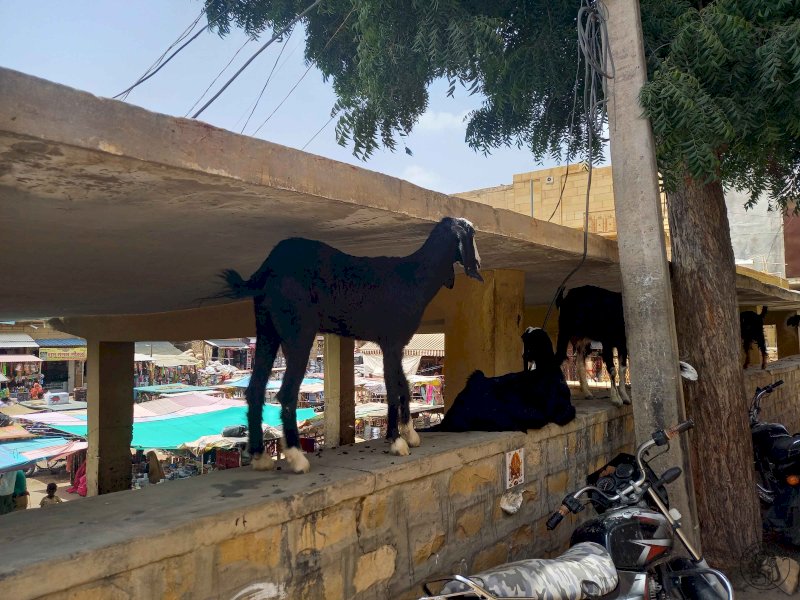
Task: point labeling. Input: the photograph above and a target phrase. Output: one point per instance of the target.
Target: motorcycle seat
(785, 447)
(585, 570)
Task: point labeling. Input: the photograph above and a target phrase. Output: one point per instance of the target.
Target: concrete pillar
(647, 297)
(788, 338)
(110, 416)
(483, 328)
(340, 405)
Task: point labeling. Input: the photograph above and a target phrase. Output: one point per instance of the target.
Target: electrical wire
(598, 69)
(294, 87)
(328, 122)
(274, 37)
(266, 83)
(225, 68)
(157, 62)
(163, 64)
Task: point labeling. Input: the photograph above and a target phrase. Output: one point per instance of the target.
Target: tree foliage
(724, 91)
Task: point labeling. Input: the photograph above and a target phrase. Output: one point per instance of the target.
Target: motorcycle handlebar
(556, 518)
(679, 428)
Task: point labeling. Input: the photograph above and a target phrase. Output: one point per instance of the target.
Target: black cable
(328, 122)
(164, 64)
(294, 87)
(598, 68)
(157, 62)
(266, 83)
(252, 58)
(225, 68)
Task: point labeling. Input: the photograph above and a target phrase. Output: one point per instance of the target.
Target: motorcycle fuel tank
(635, 537)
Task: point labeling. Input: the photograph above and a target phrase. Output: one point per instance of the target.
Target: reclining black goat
(305, 287)
(517, 401)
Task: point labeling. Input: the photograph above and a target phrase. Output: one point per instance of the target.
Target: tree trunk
(706, 315)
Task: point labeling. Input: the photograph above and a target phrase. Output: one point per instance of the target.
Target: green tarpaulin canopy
(168, 434)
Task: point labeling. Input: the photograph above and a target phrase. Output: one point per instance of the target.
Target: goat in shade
(305, 287)
(517, 401)
(587, 314)
(752, 326)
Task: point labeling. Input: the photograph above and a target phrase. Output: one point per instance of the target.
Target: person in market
(51, 498)
(21, 491)
(7, 481)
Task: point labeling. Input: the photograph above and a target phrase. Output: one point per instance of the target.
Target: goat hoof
(399, 447)
(297, 460)
(262, 462)
(410, 435)
(588, 396)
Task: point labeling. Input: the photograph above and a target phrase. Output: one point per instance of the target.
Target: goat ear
(468, 251)
(451, 280)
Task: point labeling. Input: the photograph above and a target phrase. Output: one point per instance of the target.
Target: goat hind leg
(580, 357)
(296, 359)
(267, 343)
(623, 392)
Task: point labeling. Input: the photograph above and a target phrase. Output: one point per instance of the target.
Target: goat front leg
(393, 372)
(580, 357)
(623, 392)
(608, 359)
(406, 424)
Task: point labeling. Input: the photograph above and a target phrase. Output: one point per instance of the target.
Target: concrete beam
(110, 416)
(340, 411)
(646, 292)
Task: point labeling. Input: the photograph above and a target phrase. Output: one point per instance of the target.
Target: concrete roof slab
(118, 210)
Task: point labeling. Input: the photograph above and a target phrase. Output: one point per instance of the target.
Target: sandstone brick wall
(362, 525)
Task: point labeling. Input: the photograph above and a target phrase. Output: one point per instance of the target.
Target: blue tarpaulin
(168, 434)
(170, 388)
(12, 453)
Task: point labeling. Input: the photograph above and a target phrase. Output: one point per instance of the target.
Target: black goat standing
(517, 401)
(305, 287)
(587, 314)
(752, 326)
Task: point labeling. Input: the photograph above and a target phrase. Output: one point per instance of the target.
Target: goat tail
(238, 287)
(763, 312)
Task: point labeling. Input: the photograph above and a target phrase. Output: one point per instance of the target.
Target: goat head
(467, 253)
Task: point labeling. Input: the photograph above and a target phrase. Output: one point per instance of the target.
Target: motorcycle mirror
(669, 476)
(688, 371)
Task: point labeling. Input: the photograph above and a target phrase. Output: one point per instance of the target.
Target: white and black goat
(751, 324)
(587, 314)
(305, 287)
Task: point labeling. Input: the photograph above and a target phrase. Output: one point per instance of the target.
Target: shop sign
(51, 354)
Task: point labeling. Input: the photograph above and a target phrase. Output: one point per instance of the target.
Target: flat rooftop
(111, 209)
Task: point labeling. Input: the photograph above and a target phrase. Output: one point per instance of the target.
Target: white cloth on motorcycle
(586, 567)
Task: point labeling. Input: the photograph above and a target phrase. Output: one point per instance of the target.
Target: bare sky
(103, 47)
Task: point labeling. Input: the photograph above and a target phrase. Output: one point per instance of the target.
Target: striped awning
(422, 344)
(17, 340)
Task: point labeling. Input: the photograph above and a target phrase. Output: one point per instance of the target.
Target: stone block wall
(362, 525)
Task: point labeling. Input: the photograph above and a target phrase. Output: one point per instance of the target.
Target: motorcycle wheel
(693, 587)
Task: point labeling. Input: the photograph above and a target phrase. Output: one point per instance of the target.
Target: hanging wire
(225, 68)
(598, 69)
(276, 36)
(328, 122)
(294, 87)
(158, 64)
(266, 83)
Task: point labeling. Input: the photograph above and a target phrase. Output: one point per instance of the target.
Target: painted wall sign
(51, 354)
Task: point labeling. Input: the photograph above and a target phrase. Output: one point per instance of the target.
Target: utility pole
(657, 392)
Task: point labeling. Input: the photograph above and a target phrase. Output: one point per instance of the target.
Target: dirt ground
(37, 488)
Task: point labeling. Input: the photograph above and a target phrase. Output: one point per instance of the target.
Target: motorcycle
(626, 553)
(777, 461)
